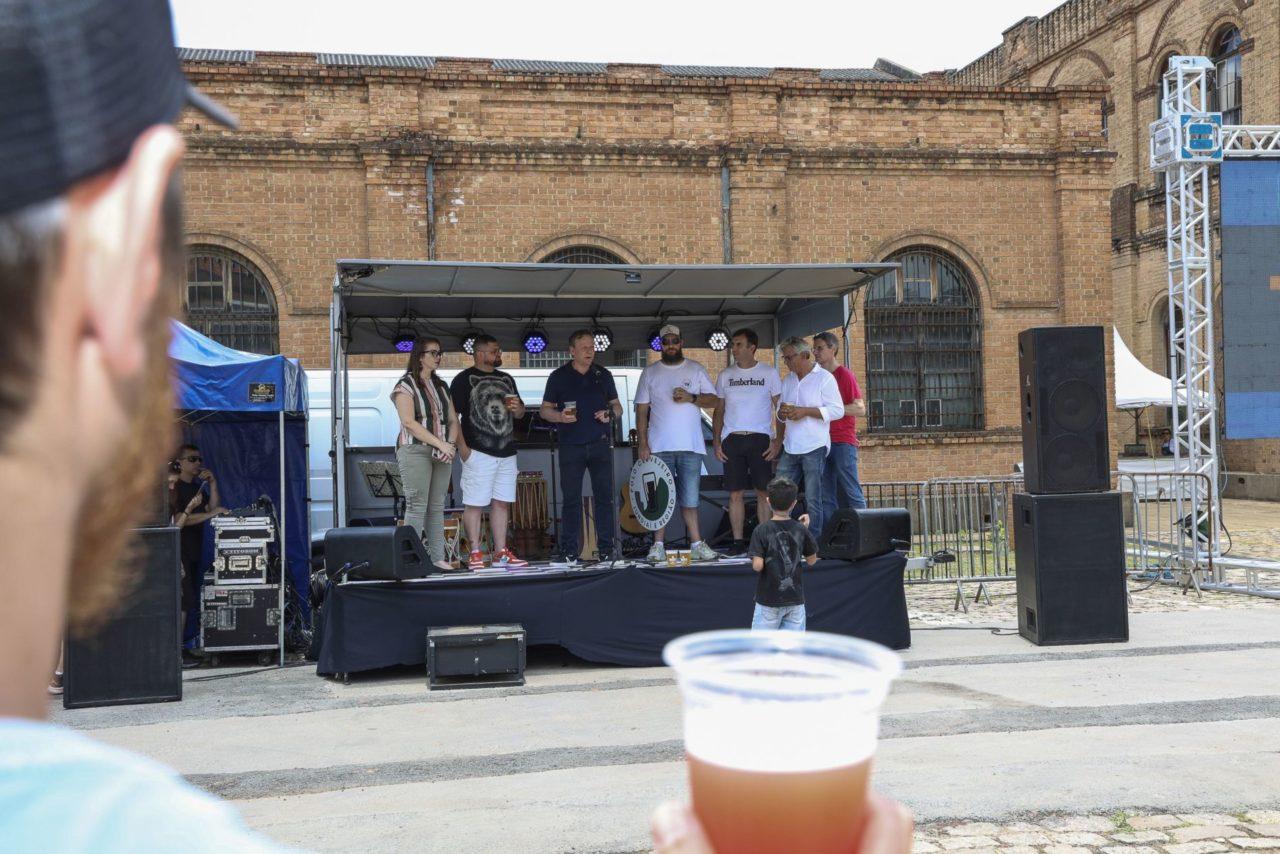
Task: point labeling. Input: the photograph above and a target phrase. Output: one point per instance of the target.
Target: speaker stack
(135, 657)
(1068, 525)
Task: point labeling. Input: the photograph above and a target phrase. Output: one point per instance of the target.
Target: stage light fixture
(601, 338)
(535, 340)
(718, 338)
(468, 342)
(655, 339)
(405, 342)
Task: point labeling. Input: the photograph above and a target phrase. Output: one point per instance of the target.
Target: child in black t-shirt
(779, 550)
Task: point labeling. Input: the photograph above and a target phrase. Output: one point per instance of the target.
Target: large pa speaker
(1071, 579)
(383, 553)
(136, 656)
(1063, 391)
(856, 534)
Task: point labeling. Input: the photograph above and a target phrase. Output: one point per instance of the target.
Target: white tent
(1137, 386)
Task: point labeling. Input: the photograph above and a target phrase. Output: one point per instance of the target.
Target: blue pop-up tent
(248, 415)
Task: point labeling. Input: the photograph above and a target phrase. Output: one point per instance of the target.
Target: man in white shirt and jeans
(742, 427)
(669, 425)
(810, 402)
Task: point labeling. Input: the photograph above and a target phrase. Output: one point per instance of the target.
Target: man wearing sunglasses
(669, 402)
(193, 501)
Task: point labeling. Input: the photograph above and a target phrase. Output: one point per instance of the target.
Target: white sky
(925, 35)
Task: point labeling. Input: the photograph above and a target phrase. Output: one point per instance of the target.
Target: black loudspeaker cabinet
(1071, 578)
(475, 656)
(136, 656)
(1063, 389)
(391, 553)
(857, 534)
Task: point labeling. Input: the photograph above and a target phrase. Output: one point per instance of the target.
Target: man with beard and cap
(669, 426)
(487, 404)
(90, 259)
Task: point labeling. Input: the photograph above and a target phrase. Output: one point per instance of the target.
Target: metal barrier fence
(962, 529)
(962, 525)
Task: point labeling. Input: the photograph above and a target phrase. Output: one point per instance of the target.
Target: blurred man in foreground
(90, 254)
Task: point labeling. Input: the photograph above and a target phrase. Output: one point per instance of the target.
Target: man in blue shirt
(91, 256)
(582, 400)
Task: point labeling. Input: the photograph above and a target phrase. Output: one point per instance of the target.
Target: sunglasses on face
(667, 342)
(194, 459)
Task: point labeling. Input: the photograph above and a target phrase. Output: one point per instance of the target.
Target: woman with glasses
(425, 447)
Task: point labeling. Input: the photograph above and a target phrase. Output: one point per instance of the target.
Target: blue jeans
(807, 469)
(789, 618)
(686, 466)
(594, 458)
(840, 487)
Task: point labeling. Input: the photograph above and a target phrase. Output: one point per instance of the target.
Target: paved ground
(1164, 744)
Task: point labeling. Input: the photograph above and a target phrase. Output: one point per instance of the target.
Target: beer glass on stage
(779, 732)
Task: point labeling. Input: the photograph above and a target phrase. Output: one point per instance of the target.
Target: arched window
(556, 358)
(924, 346)
(1161, 67)
(1227, 94)
(228, 299)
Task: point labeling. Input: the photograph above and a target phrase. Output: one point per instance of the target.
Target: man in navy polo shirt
(582, 400)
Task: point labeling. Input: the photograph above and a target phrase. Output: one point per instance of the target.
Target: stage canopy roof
(381, 300)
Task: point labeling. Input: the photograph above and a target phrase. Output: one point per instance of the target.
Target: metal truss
(1189, 250)
(1250, 141)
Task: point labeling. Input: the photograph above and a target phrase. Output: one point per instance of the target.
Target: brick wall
(331, 162)
(1122, 44)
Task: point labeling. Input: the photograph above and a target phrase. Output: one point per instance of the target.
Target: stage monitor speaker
(1063, 389)
(857, 534)
(386, 553)
(1071, 578)
(136, 656)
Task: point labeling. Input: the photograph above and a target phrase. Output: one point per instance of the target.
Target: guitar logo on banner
(653, 493)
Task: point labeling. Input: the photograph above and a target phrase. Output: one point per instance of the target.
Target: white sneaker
(566, 562)
(702, 551)
(657, 553)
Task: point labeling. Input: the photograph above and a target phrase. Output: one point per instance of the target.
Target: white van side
(373, 421)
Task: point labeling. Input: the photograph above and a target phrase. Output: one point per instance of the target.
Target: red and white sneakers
(476, 560)
(507, 559)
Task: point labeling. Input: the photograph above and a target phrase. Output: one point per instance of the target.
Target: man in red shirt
(840, 487)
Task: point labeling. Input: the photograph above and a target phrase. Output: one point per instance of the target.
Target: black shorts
(747, 467)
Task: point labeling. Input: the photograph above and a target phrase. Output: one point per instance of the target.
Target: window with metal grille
(556, 358)
(1227, 94)
(228, 299)
(924, 346)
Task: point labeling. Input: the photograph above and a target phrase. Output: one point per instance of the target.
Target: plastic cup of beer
(511, 399)
(779, 732)
(571, 407)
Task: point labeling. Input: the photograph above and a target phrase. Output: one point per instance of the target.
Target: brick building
(995, 198)
(1125, 45)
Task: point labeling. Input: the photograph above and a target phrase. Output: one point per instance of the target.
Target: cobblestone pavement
(1254, 527)
(1197, 833)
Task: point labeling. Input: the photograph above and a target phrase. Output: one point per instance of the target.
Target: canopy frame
(376, 301)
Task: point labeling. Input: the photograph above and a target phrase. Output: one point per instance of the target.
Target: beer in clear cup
(571, 407)
(779, 730)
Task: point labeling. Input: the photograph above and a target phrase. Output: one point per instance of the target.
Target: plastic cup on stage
(780, 730)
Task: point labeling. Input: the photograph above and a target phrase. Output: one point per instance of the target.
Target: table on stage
(613, 616)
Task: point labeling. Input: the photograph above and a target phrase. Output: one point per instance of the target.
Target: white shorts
(486, 477)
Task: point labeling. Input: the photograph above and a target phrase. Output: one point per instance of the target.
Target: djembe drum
(530, 515)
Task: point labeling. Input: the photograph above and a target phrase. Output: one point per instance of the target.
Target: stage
(611, 616)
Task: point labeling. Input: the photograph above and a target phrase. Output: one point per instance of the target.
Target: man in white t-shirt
(810, 402)
(669, 402)
(743, 429)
